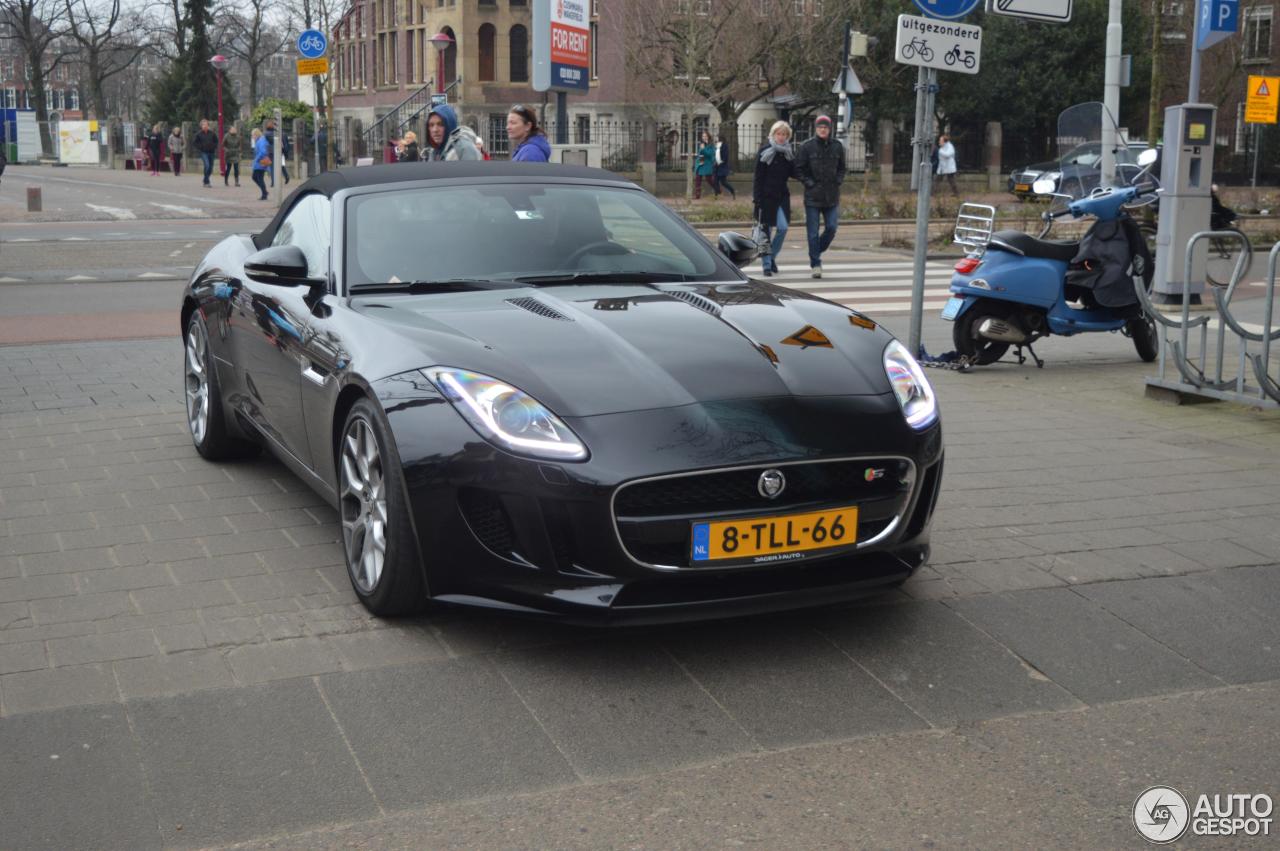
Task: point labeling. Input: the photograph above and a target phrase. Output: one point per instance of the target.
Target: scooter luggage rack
(974, 225)
(1192, 379)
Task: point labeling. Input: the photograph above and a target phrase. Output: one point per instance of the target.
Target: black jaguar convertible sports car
(535, 388)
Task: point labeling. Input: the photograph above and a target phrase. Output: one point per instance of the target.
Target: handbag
(265, 162)
(760, 235)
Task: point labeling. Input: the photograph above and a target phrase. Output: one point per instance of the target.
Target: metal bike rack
(1193, 378)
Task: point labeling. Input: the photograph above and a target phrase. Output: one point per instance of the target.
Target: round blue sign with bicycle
(312, 44)
(947, 10)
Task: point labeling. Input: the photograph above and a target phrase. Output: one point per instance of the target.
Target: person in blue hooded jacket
(528, 142)
(446, 139)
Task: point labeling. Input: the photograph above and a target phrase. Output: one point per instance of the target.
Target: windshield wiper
(431, 285)
(619, 276)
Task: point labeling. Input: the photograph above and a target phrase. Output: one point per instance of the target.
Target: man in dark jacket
(820, 166)
(206, 144)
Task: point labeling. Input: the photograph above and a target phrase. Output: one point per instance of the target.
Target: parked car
(1078, 171)
(537, 389)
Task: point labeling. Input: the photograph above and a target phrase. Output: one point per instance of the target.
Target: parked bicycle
(1224, 251)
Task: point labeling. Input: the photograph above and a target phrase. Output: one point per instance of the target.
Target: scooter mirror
(1148, 157)
(1044, 186)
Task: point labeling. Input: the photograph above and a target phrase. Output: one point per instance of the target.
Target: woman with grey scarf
(775, 165)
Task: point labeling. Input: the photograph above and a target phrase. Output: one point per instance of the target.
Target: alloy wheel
(197, 382)
(364, 505)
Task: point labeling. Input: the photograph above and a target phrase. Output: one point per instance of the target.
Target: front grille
(654, 518)
(735, 490)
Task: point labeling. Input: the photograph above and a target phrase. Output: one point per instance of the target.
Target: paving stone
(1200, 617)
(10, 567)
(102, 648)
(785, 684)
(1085, 649)
(82, 607)
(939, 665)
(278, 660)
(195, 595)
(183, 529)
(179, 637)
(250, 542)
(298, 557)
(73, 780)
(36, 587)
(234, 631)
(1006, 574)
(271, 762)
(294, 583)
(159, 552)
(75, 561)
(480, 742)
(53, 523)
(220, 567)
(178, 673)
(303, 536)
(1218, 553)
(27, 656)
(21, 545)
(382, 647)
(616, 709)
(35, 691)
(121, 578)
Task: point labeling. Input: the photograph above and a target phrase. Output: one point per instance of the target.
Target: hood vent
(534, 306)
(701, 302)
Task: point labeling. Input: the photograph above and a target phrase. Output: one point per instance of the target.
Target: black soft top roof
(330, 183)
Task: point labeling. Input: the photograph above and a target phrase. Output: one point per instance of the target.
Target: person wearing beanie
(820, 165)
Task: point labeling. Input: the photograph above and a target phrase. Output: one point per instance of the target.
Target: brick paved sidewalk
(208, 607)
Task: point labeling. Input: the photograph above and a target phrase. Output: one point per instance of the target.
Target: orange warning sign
(1264, 97)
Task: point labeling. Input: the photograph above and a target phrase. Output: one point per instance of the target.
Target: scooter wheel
(968, 343)
(1145, 336)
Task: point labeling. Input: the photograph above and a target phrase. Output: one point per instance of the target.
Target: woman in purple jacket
(528, 142)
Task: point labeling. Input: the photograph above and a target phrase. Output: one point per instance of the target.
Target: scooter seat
(1028, 246)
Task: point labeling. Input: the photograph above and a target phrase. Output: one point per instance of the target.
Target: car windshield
(499, 232)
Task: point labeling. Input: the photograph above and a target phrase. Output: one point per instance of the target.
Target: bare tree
(37, 27)
(107, 45)
(254, 31)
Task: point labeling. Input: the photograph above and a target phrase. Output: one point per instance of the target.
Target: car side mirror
(281, 265)
(1148, 157)
(740, 249)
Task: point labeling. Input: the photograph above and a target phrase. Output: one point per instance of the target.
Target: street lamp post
(219, 62)
(441, 42)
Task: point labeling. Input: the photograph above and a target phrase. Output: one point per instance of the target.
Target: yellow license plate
(1022, 187)
(774, 538)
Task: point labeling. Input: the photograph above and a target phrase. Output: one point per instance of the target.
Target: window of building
(519, 37)
(797, 6)
(583, 130)
(595, 8)
(595, 39)
(74, 101)
(817, 8)
(450, 56)
(488, 2)
(519, 2)
(1257, 34)
(487, 37)
(394, 61)
(702, 7)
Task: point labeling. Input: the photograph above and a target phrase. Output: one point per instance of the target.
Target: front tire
(969, 344)
(1146, 339)
(377, 539)
(205, 418)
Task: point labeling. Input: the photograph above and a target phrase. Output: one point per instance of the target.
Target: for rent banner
(562, 45)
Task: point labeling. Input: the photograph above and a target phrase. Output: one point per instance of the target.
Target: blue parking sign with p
(312, 44)
(1217, 21)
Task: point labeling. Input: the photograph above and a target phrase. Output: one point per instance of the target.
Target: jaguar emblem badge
(772, 483)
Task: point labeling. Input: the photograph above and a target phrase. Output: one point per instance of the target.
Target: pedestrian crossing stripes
(874, 286)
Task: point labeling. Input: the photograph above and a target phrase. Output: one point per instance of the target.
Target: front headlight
(507, 416)
(913, 390)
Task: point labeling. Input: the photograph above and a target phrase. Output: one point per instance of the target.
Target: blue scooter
(1014, 288)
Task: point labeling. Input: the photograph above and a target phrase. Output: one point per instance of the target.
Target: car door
(273, 352)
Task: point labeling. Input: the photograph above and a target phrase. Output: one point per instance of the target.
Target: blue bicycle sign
(312, 44)
(949, 10)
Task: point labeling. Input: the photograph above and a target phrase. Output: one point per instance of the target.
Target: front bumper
(572, 540)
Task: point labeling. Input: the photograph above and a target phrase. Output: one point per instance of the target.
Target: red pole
(222, 151)
(440, 72)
